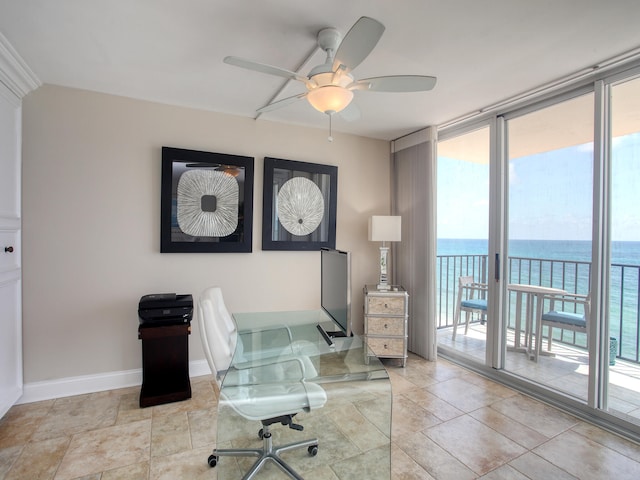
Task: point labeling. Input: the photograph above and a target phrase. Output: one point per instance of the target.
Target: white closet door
(10, 251)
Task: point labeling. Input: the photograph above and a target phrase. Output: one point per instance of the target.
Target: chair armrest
(277, 341)
(272, 370)
(572, 298)
(471, 288)
(568, 297)
(263, 362)
(268, 328)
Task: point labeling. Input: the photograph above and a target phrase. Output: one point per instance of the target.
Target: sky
(550, 194)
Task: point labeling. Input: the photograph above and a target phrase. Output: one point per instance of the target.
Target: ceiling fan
(330, 86)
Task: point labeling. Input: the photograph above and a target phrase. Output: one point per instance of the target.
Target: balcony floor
(566, 371)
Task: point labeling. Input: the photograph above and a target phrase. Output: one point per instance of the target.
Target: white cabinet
(386, 313)
(16, 80)
(10, 258)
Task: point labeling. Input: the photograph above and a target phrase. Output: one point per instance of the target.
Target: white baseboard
(8, 398)
(66, 387)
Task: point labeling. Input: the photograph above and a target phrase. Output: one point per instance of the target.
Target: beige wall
(91, 223)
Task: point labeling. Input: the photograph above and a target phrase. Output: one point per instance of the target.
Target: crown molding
(15, 74)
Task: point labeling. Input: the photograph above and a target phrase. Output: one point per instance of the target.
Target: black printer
(160, 309)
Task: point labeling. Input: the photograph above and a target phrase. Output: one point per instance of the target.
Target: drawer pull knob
(8, 249)
(386, 325)
(386, 306)
(385, 346)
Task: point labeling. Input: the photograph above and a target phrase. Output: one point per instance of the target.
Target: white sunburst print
(300, 206)
(222, 189)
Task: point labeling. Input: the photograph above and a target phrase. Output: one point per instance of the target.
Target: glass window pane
(550, 201)
(463, 228)
(624, 366)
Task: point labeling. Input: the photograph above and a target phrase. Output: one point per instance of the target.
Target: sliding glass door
(549, 203)
(539, 204)
(624, 282)
(462, 249)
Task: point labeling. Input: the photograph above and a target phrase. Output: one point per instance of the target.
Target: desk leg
(516, 342)
(529, 326)
(539, 351)
(538, 325)
(517, 346)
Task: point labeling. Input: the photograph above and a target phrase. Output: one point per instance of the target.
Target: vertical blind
(414, 199)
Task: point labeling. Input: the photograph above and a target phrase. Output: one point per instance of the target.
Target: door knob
(8, 249)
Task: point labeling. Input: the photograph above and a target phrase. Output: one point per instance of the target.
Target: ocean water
(627, 253)
(560, 264)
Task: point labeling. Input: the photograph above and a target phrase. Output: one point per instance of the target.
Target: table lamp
(384, 229)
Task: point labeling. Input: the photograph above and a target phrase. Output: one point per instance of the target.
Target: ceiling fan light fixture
(330, 99)
(330, 85)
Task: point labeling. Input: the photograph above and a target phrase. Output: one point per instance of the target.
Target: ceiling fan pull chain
(330, 139)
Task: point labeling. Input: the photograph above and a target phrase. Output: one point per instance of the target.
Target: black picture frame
(315, 179)
(201, 216)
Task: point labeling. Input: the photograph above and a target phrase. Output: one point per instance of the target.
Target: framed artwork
(206, 203)
(299, 205)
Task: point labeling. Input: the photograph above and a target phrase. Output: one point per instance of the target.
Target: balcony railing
(572, 276)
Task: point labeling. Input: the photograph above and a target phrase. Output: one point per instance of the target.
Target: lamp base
(384, 252)
(383, 287)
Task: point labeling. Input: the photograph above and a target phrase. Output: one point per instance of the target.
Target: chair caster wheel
(212, 461)
(313, 450)
(261, 434)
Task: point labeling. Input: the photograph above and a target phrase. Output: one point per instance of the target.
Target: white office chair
(277, 392)
(469, 301)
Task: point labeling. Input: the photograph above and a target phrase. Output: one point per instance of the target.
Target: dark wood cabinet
(165, 364)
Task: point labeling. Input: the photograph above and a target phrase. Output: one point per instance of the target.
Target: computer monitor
(335, 296)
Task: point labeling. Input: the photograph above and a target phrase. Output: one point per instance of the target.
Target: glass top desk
(354, 426)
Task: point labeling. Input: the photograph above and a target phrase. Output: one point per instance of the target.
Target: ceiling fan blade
(351, 113)
(395, 83)
(281, 103)
(358, 43)
(263, 68)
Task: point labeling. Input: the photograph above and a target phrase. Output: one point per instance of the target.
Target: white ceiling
(171, 51)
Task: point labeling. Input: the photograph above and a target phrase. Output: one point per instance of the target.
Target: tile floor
(567, 370)
(448, 423)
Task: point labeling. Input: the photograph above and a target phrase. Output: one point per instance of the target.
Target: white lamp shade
(385, 228)
(330, 98)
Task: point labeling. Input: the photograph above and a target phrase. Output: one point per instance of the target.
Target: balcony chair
(278, 389)
(558, 318)
(469, 301)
